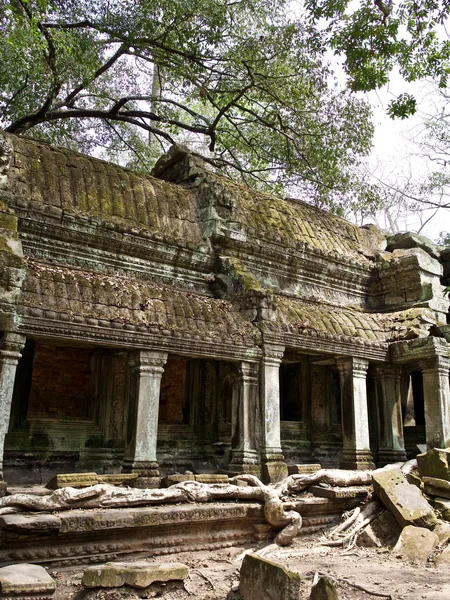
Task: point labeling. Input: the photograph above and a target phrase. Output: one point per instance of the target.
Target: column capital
(352, 365)
(273, 354)
(387, 371)
(11, 345)
(249, 371)
(439, 363)
(148, 361)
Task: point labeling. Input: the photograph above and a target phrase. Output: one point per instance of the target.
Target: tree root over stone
(277, 512)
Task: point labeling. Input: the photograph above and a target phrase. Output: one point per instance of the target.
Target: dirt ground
(215, 575)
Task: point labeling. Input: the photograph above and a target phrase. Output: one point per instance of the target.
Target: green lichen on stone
(241, 275)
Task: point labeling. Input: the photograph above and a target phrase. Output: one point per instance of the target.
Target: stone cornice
(131, 338)
(323, 343)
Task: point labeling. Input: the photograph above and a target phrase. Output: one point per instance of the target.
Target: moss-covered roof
(88, 186)
(292, 222)
(299, 316)
(108, 301)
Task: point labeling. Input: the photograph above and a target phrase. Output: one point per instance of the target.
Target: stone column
(10, 349)
(355, 421)
(436, 394)
(244, 457)
(391, 447)
(273, 466)
(146, 369)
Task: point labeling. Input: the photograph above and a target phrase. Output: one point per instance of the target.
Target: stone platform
(89, 535)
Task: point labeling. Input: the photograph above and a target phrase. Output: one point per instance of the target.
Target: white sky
(395, 156)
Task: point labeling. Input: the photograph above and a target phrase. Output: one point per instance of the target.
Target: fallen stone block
(26, 581)
(137, 574)
(443, 560)
(75, 480)
(415, 544)
(434, 463)
(176, 478)
(367, 538)
(263, 579)
(339, 492)
(436, 487)
(324, 589)
(144, 483)
(211, 478)
(403, 499)
(442, 505)
(303, 469)
(119, 479)
(386, 528)
(442, 530)
(273, 472)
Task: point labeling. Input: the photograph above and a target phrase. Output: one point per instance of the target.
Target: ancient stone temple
(183, 321)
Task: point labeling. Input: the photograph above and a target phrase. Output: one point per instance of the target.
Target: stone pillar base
(243, 458)
(274, 471)
(143, 469)
(388, 456)
(144, 483)
(357, 460)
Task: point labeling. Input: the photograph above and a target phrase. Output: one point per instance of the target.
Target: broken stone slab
(75, 480)
(408, 240)
(403, 499)
(324, 589)
(303, 469)
(30, 523)
(26, 581)
(339, 492)
(261, 578)
(139, 574)
(434, 463)
(436, 487)
(386, 528)
(176, 478)
(415, 544)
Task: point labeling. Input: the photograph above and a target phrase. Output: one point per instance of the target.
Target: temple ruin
(154, 325)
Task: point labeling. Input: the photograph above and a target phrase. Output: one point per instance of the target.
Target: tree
(245, 80)
(376, 36)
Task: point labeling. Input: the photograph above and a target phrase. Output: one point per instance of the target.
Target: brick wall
(61, 384)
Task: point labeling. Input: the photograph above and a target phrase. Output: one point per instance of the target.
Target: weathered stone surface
(26, 580)
(263, 579)
(303, 469)
(442, 530)
(434, 463)
(3, 488)
(416, 544)
(324, 589)
(436, 487)
(367, 538)
(137, 574)
(75, 480)
(339, 492)
(404, 500)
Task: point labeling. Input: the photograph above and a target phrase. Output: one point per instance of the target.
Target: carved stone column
(273, 466)
(436, 393)
(244, 456)
(10, 349)
(355, 421)
(146, 369)
(391, 446)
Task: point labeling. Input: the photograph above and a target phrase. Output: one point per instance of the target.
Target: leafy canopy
(376, 36)
(244, 81)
